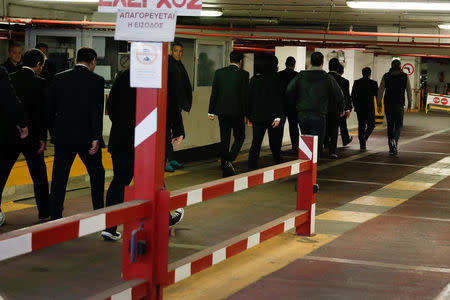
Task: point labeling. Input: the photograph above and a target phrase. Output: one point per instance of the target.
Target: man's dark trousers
(259, 130)
(36, 166)
(294, 133)
(331, 134)
(344, 130)
(366, 124)
(394, 119)
(227, 124)
(64, 157)
(313, 125)
(123, 167)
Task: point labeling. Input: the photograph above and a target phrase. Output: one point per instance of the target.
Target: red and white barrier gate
(145, 243)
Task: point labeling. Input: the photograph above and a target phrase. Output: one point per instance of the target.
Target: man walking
(13, 128)
(345, 87)
(32, 91)
(363, 94)
(289, 106)
(76, 125)
(395, 83)
(12, 63)
(228, 101)
(313, 90)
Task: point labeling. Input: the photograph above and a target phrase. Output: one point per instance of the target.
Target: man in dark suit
(228, 101)
(334, 112)
(121, 108)
(49, 70)
(12, 63)
(13, 127)
(363, 94)
(76, 124)
(346, 138)
(289, 106)
(32, 91)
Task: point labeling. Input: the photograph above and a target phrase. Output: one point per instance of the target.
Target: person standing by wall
(228, 101)
(12, 63)
(289, 106)
(393, 86)
(13, 129)
(363, 94)
(313, 91)
(264, 111)
(76, 99)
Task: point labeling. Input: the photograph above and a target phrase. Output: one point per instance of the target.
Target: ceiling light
(211, 13)
(73, 1)
(444, 26)
(399, 5)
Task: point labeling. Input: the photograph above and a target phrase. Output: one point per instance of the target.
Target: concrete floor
(397, 250)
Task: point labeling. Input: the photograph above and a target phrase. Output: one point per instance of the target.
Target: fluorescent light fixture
(400, 5)
(211, 13)
(73, 1)
(444, 26)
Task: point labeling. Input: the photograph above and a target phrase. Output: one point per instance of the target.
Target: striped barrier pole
(150, 134)
(306, 197)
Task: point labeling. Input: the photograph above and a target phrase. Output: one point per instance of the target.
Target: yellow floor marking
(409, 185)
(177, 172)
(240, 271)
(11, 206)
(347, 216)
(378, 201)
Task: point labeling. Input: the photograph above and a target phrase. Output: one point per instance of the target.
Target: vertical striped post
(150, 133)
(306, 198)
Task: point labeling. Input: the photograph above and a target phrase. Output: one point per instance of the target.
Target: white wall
(299, 53)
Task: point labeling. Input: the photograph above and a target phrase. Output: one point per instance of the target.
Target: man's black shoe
(108, 236)
(176, 217)
(348, 142)
(333, 156)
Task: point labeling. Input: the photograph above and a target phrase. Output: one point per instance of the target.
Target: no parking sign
(408, 69)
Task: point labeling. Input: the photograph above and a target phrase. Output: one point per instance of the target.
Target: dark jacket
(265, 98)
(395, 83)
(363, 93)
(179, 89)
(121, 108)
(11, 111)
(10, 67)
(48, 71)
(312, 90)
(344, 84)
(32, 92)
(229, 92)
(285, 77)
(76, 98)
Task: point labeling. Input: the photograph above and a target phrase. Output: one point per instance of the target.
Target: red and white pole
(150, 135)
(306, 198)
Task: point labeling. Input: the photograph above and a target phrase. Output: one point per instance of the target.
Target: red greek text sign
(182, 7)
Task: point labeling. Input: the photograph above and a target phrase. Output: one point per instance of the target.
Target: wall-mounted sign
(145, 25)
(408, 69)
(146, 65)
(181, 7)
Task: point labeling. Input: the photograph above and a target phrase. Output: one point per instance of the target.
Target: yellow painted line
(240, 271)
(177, 172)
(11, 206)
(346, 216)
(409, 185)
(378, 201)
(21, 176)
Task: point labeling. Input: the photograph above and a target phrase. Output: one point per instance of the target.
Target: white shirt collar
(25, 67)
(234, 64)
(82, 65)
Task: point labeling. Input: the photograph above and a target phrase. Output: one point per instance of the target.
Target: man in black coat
(49, 70)
(121, 108)
(76, 125)
(395, 83)
(228, 101)
(264, 111)
(289, 106)
(363, 94)
(32, 91)
(13, 128)
(334, 112)
(179, 97)
(346, 138)
(12, 63)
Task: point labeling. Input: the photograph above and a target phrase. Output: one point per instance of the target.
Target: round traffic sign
(444, 101)
(436, 100)
(408, 69)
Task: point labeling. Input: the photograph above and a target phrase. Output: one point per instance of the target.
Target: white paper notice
(146, 65)
(148, 25)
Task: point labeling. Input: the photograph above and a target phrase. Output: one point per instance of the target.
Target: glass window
(210, 58)
(108, 58)
(61, 51)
